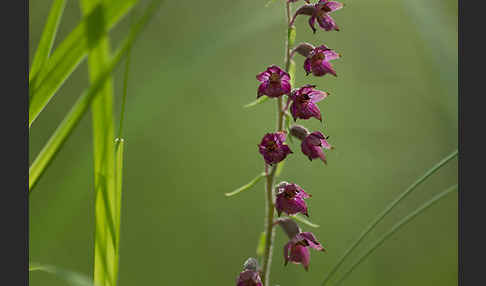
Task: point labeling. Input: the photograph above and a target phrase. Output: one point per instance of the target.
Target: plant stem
(269, 205)
(269, 230)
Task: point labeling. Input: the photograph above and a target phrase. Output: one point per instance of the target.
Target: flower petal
(307, 66)
(333, 5)
(328, 68)
(312, 20)
(263, 76)
(262, 88)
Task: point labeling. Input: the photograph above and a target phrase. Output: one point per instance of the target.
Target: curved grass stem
(394, 229)
(382, 215)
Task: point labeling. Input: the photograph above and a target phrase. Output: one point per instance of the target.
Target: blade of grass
(247, 186)
(103, 147)
(394, 229)
(73, 278)
(71, 120)
(119, 149)
(392, 205)
(48, 36)
(70, 54)
(125, 92)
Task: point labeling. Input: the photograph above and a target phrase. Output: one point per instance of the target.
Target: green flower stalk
(276, 82)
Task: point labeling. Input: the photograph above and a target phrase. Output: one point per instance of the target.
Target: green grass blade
(247, 186)
(394, 229)
(125, 89)
(103, 147)
(71, 120)
(392, 205)
(119, 149)
(48, 36)
(300, 218)
(73, 278)
(70, 53)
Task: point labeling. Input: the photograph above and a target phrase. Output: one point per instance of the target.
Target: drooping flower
(272, 147)
(297, 249)
(320, 12)
(304, 102)
(249, 276)
(299, 131)
(274, 82)
(313, 145)
(318, 61)
(290, 199)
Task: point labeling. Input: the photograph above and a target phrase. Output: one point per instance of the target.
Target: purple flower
(273, 148)
(318, 61)
(249, 278)
(274, 82)
(313, 144)
(290, 199)
(304, 102)
(320, 12)
(296, 250)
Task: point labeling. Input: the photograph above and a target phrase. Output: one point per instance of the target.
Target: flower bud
(289, 226)
(249, 276)
(299, 131)
(251, 264)
(304, 49)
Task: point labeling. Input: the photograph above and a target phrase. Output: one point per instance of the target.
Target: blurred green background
(392, 115)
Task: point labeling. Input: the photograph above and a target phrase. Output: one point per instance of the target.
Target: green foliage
(259, 100)
(300, 218)
(71, 277)
(48, 36)
(70, 121)
(247, 186)
(69, 54)
(105, 263)
(261, 245)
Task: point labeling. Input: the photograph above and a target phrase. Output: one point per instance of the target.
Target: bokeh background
(392, 115)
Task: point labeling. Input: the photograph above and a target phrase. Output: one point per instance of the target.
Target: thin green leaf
(73, 278)
(288, 124)
(394, 229)
(119, 150)
(302, 219)
(292, 34)
(247, 186)
(105, 262)
(279, 169)
(292, 72)
(261, 245)
(259, 100)
(48, 36)
(391, 206)
(125, 92)
(71, 120)
(70, 53)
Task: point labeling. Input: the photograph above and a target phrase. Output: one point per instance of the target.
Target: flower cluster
(301, 103)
